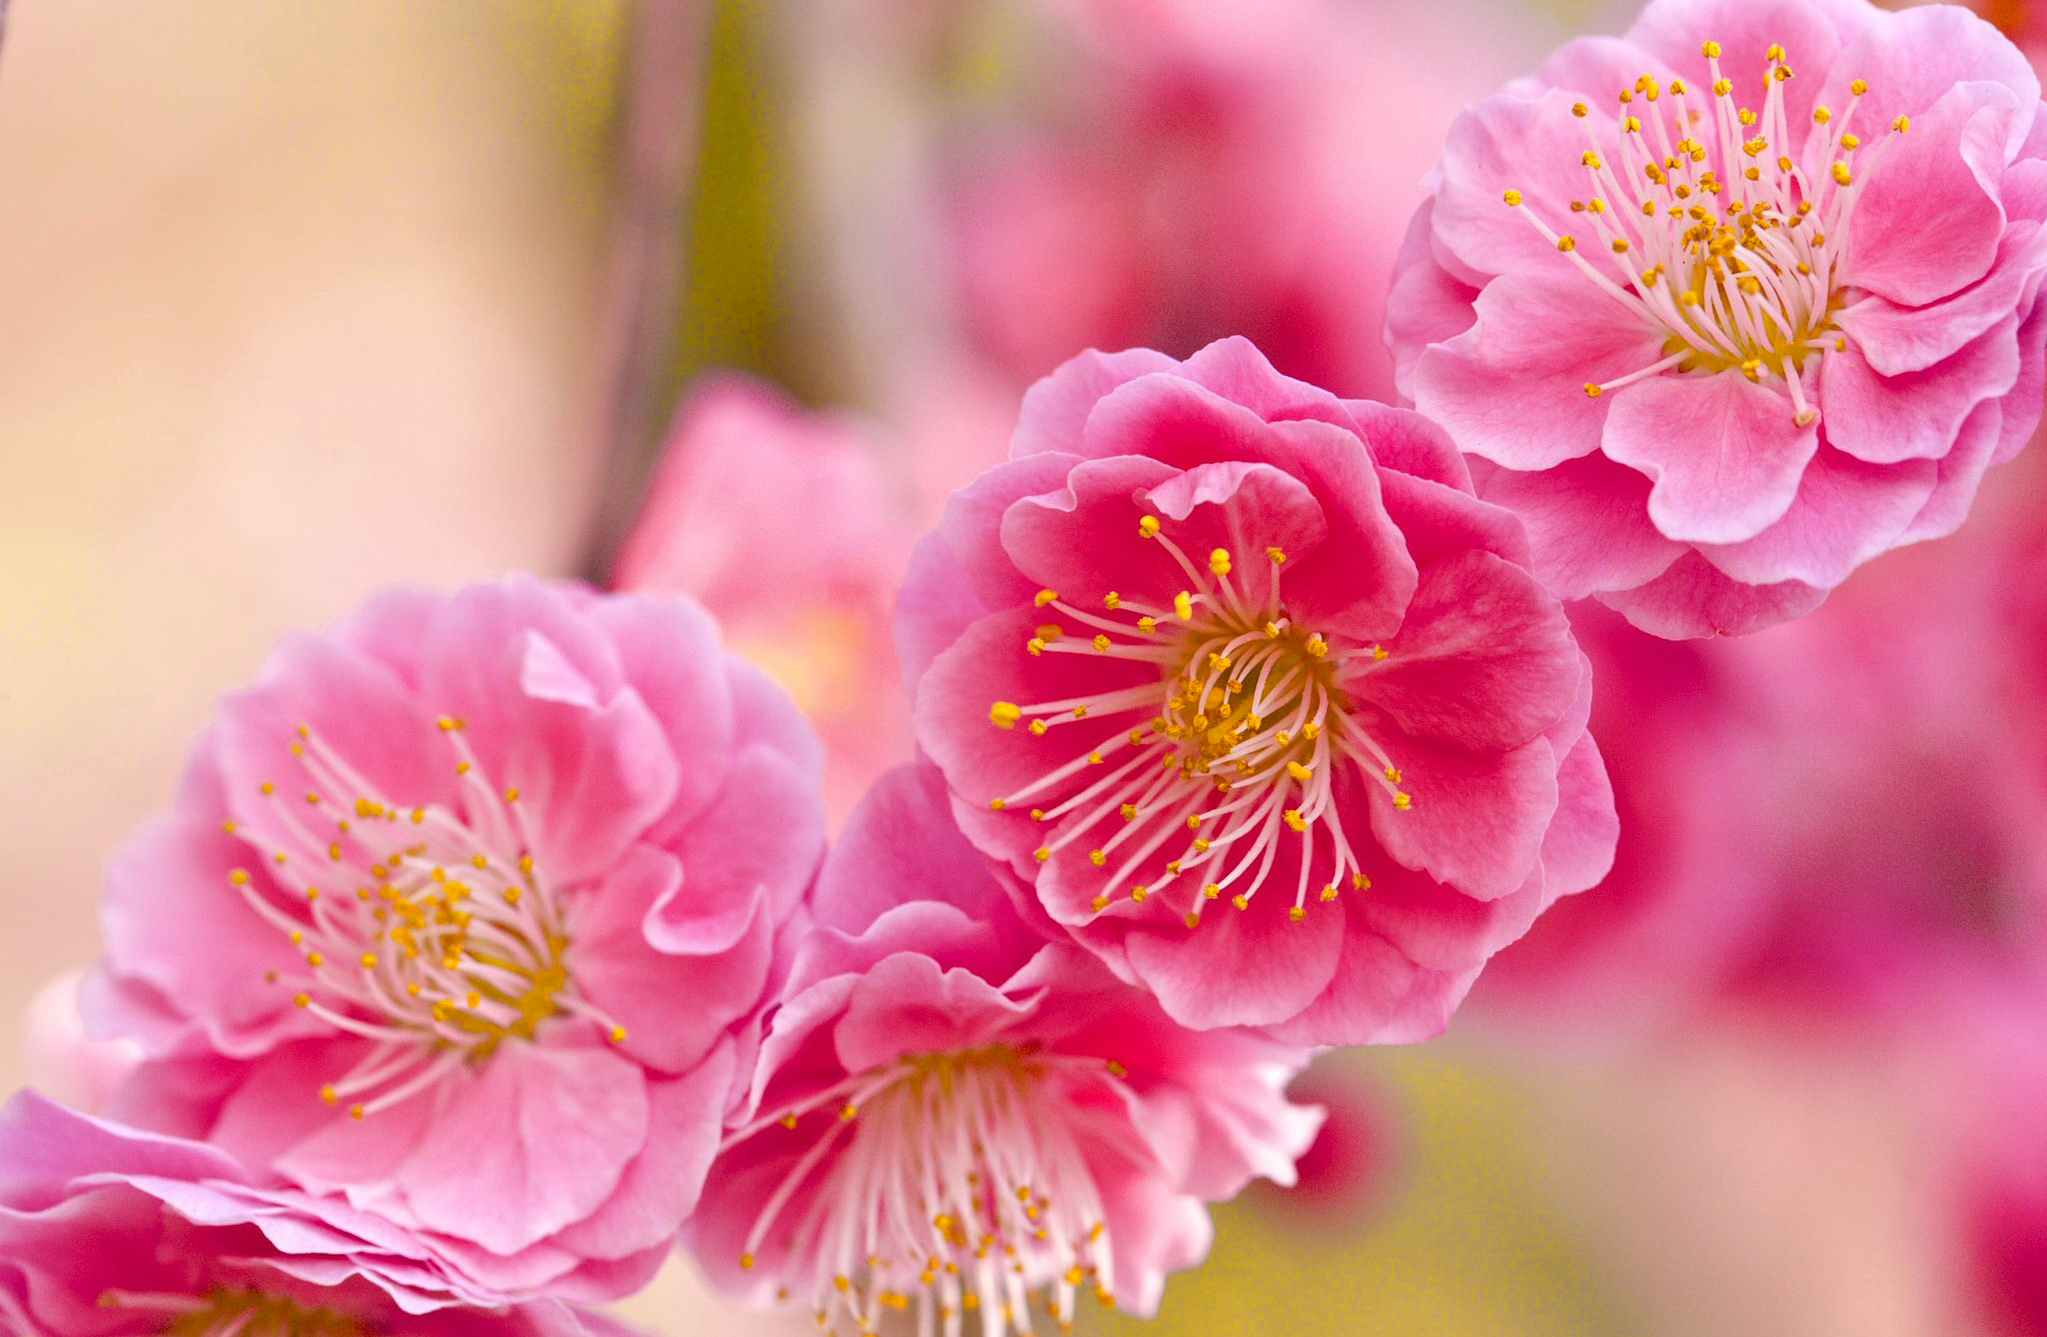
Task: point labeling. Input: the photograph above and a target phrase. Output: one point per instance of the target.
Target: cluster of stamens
(225, 1312)
(423, 929)
(1713, 230)
(948, 1182)
(1237, 746)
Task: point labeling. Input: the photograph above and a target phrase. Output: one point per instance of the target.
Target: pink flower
(1198, 175)
(1729, 333)
(952, 1114)
(781, 523)
(60, 1059)
(1257, 694)
(109, 1232)
(415, 927)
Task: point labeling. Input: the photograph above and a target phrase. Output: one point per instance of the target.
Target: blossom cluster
(498, 943)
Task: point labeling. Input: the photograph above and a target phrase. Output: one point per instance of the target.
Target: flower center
(235, 1313)
(1249, 731)
(426, 929)
(958, 1182)
(1716, 232)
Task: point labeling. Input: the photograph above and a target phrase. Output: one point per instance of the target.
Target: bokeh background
(297, 301)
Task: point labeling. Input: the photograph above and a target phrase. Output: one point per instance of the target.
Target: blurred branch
(659, 120)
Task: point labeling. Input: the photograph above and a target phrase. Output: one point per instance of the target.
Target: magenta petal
(1588, 525)
(905, 1005)
(1960, 473)
(1428, 304)
(1578, 848)
(1484, 661)
(1695, 598)
(1512, 388)
(1477, 818)
(1848, 511)
(1724, 453)
(1378, 997)
(901, 836)
(1240, 967)
(536, 1139)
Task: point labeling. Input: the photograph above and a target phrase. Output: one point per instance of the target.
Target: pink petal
(907, 1005)
(1428, 304)
(1847, 512)
(536, 1139)
(1056, 408)
(1914, 58)
(1896, 339)
(1694, 598)
(1724, 453)
(1378, 996)
(1511, 143)
(1914, 415)
(1477, 819)
(1512, 388)
(1810, 33)
(1249, 967)
(1484, 661)
(1588, 525)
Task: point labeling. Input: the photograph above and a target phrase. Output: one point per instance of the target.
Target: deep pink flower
(109, 1232)
(1739, 300)
(1257, 694)
(955, 1115)
(781, 522)
(415, 927)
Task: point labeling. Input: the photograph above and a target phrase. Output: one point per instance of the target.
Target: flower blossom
(1737, 301)
(1257, 695)
(109, 1232)
(414, 928)
(955, 1115)
(781, 523)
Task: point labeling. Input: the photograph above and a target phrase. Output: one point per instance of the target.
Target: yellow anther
(355, 1111)
(1566, 244)
(479, 861)
(1043, 597)
(1295, 820)
(1295, 914)
(1201, 845)
(1902, 124)
(1316, 646)
(996, 805)
(1851, 141)
(1821, 115)
(1842, 176)
(618, 1035)
(1403, 801)
(1619, 247)
(1129, 812)
(369, 960)
(1138, 894)
(1097, 858)
(1241, 901)
(1041, 854)
(1193, 919)
(240, 877)
(1359, 882)
(848, 1111)
(1100, 903)
(1512, 197)
(1710, 50)
(1100, 642)
(1577, 109)
(1722, 87)
(315, 960)
(1147, 624)
(1380, 652)
(1183, 606)
(1148, 527)
(1035, 645)
(1589, 158)
(1858, 88)
(1005, 714)
(301, 1000)
(746, 1260)
(1299, 772)
(1112, 600)
(1329, 893)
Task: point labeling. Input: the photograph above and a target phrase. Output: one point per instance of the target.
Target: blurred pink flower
(1371, 719)
(1835, 819)
(413, 930)
(60, 1059)
(1204, 178)
(1711, 412)
(781, 523)
(109, 1232)
(953, 1113)
(1355, 1160)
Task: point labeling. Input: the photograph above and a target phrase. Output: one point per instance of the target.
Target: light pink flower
(952, 1114)
(1257, 694)
(414, 929)
(1737, 301)
(781, 522)
(60, 1059)
(109, 1232)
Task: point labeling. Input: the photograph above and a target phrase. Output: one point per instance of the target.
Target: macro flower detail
(119, 1233)
(1737, 301)
(1256, 695)
(957, 1117)
(412, 930)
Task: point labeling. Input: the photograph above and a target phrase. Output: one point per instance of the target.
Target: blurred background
(299, 301)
